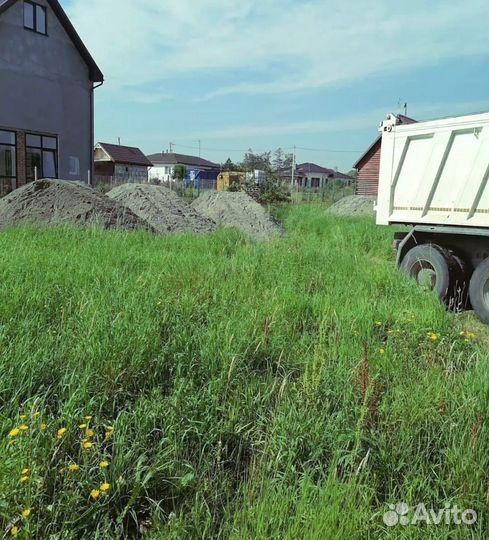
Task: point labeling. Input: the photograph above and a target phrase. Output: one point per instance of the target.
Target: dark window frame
(42, 149)
(35, 29)
(13, 179)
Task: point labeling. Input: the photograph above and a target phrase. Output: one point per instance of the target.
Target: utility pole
(171, 147)
(200, 146)
(293, 168)
(119, 139)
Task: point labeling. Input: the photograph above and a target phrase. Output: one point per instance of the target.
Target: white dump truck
(434, 178)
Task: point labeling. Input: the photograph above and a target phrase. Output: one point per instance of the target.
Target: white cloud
(312, 43)
(369, 120)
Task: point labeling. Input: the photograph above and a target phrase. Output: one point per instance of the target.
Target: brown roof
(402, 120)
(125, 154)
(94, 71)
(170, 158)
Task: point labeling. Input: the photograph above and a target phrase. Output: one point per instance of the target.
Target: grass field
(235, 390)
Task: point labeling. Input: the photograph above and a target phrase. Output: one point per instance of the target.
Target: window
(41, 156)
(8, 162)
(35, 17)
(74, 166)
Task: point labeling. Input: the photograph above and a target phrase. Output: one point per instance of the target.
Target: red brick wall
(368, 173)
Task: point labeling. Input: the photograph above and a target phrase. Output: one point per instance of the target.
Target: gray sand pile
(239, 210)
(355, 205)
(61, 202)
(163, 209)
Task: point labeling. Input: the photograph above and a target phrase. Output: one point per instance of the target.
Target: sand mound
(165, 211)
(239, 210)
(355, 205)
(60, 201)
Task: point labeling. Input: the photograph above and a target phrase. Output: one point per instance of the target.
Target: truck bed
(435, 172)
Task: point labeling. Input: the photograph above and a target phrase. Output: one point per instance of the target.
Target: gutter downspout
(92, 129)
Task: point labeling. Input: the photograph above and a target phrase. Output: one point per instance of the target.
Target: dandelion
(23, 427)
(83, 426)
(24, 479)
(74, 467)
(378, 324)
(87, 445)
(105, 487)
(14, 433)
(44, 427)
(95, 494)
(433, 336)
(26, 513)
(89, 433)
(109, 428)
(37, 414)
(382, 351)
(104, 464)
(471, 336)
(88, 418)
(61, 432)
(25, 471)
(14, 531)
(23, 417)
(462, 333)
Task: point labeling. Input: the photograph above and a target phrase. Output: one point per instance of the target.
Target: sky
(319, 75)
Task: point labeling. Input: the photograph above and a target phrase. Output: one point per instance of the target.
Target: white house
(164, 165)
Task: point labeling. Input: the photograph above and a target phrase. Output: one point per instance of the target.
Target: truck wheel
(431, 266)
(479, 291)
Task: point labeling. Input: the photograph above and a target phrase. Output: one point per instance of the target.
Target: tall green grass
(290, 389)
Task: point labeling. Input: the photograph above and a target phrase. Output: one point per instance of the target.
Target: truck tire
(433, 266)
(479, 291)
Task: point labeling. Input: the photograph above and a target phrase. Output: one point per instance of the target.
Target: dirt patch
(230, 209)
(355, 205)
(60, 201)
(165, 211)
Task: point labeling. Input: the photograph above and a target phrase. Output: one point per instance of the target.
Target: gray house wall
(45, 87)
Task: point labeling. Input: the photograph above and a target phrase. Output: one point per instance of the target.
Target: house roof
(313, 168)
(402, 120)
(170, 158)
(95, 74)
(125, 154)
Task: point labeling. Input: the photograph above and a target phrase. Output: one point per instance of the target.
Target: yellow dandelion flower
(37, 414)
(74, 467)
(105, 487)
(104, 464)
(109, 428)
(26, 513)
(89, 433)
(14, 531)
(44, 427)
(462, 333)
(471, 335)
(22, 417)
(25, 471)
(23, 427)
(61, 432)
(87, 445)
(82, 426)
(382, 351)
(24, 479)
(88, 418)
(14, 433)
(95, 494)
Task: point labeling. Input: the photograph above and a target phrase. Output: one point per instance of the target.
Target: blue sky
(262, 74)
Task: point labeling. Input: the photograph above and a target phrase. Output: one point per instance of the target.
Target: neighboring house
(310, 175)
(199, 171)
(120, 163)
(368, 166)
(46, 95)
